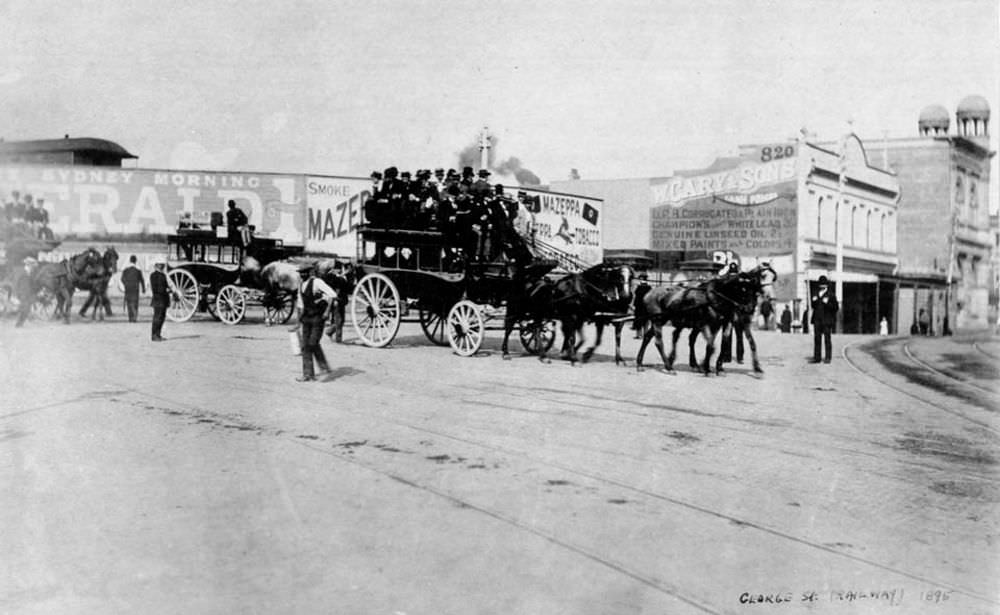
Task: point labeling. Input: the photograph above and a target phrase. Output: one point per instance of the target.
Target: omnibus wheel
(375, 310)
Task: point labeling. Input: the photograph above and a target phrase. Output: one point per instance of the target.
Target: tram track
(852, 347)
(943, 373)
(665, 498)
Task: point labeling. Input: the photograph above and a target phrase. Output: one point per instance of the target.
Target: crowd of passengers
(471, 213)
(26, 215)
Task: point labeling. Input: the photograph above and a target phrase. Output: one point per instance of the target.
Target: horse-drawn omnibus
(455, 296)
(212, 273)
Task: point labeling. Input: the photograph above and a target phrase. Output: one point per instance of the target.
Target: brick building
(946, 239)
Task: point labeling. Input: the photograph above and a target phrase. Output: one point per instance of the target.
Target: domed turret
(973, 116)
(934, 120)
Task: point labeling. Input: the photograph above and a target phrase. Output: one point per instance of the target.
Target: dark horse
(61, 279)
(573, 300)
(98, 287)
(740, 324)
(707, 307)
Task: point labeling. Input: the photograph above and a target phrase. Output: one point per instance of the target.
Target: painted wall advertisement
(564, 222)
(749, 209)
(96, 201)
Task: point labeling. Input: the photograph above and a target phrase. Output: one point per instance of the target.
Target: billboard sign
(334, 212)
(98, 201)
(565, 222)
(749, 208)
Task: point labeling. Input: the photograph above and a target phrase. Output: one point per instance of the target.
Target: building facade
(65, 151)
(946, 239)
(806, 209)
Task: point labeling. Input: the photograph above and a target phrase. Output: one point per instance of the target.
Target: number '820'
(777, 152)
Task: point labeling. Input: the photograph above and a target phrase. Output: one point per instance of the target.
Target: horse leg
(619, 360)
(753, 351)
(647, 335)
(725, 353)
(570, 328)
(692, 354)
(668, 362)
(599, 325)
(67, 296)
(709, 333)
(508, 325)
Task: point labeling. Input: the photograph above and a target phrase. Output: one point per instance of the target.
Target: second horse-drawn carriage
(221, 276)
(454, 295)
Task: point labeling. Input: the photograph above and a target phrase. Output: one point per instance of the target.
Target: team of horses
(603, 294)
(89, 271)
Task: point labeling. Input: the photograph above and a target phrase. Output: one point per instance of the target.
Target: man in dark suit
(824, 317)
(161, 299)
(132, 282)
(236, 225)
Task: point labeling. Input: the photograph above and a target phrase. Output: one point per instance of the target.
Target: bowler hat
(466, 171)
(823, 281)
(484, 173)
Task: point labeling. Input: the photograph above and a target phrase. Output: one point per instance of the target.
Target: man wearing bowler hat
(160, 289)
(824, 318)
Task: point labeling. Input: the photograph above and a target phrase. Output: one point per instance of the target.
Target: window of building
(819, 218)
(881, 234)
(868, 231)
(854, 225)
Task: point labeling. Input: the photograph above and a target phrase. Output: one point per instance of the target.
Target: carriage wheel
(183, 295)
(466, 328)
(375, 309)
(433, 324)
(281, 312)
(537, 339)
(231, 304)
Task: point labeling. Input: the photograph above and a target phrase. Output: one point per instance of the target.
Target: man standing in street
(824, 318)
(132, 282)
(315, 303)
(24, 289)
(161, 299)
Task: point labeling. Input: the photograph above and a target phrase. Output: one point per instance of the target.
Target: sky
(613, 89)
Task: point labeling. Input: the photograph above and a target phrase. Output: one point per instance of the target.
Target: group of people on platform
(474, 215)
(23, 210)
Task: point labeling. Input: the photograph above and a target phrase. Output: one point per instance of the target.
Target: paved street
(195, 476)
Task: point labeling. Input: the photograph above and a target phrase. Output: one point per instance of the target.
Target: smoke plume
(470, 154)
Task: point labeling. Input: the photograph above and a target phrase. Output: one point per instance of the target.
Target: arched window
(819, 218)
(836, 222)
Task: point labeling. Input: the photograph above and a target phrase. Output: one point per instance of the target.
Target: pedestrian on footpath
(161, 298)
(132, 282)
(786, 320)
(824, 318)
(315, 304)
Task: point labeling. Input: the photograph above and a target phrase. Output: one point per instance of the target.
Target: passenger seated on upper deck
(236, 225)
(376, 205)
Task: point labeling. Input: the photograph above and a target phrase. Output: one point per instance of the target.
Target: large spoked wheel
(375, 310)
(466, 328)
(432, 322)
(183, 295)
(281, 310)
(231, 304)
(539, 338)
